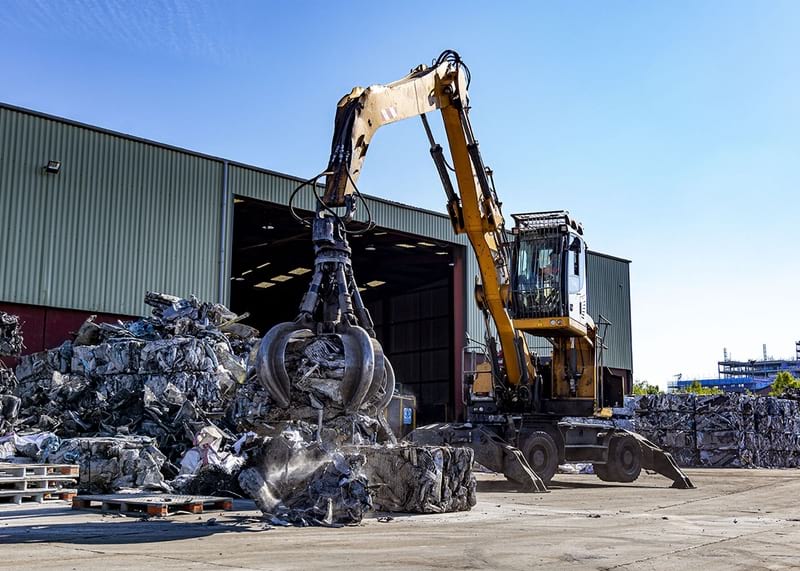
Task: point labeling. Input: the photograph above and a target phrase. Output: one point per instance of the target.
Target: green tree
(783, 382)
(645, 388)
(698, 389)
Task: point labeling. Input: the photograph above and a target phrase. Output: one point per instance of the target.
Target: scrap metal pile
(726, 430)
(170, 403)
(10, 335)
(11, 345)
(144, 387)
(331, 458)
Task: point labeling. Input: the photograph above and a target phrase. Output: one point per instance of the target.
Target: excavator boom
(474, 210)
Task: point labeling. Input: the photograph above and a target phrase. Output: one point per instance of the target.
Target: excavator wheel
(541, 452)
(627, 458)
(624, 461)
(602, 472)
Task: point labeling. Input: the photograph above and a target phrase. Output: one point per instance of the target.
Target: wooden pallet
(160, 505)
(36, 496)
(9, 470)
(36, 482)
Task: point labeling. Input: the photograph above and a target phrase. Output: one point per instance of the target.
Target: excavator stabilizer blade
(490, 450)
(657, 460)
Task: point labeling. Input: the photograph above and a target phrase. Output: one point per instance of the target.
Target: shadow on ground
(488, 486)
(108, 529)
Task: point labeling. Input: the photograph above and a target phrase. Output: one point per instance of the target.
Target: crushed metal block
(302, 483)
(420, 479)
(725, 430)
(109, 464)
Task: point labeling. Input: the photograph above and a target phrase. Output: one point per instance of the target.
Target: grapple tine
(379, 375)
(271, 361)
(388, 386)
(359, 366)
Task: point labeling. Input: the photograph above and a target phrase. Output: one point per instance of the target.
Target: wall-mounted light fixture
(53, 167)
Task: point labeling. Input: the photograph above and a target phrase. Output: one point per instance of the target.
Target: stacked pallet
(37, 482)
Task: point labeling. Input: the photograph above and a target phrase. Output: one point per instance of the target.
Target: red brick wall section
(48, 327)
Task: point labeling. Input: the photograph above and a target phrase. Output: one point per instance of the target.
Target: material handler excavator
(525, 415)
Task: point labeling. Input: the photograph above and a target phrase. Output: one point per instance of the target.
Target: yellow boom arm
(474, 210)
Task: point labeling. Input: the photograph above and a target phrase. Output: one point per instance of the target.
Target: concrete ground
(735, 519)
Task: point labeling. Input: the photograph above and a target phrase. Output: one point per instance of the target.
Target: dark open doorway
(407, 283)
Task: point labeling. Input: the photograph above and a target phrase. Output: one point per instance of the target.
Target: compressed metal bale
(11, 341)
(719, 440)
(771, 458)
(121, 356)
(726, 458)
(678, 439)
(719, 421)
(300, 482)
(420, 479)
(653, 422)
(671, 402)
(686, 457)
(110, 464)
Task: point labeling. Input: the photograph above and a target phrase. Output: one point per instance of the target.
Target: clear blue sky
(671, 129)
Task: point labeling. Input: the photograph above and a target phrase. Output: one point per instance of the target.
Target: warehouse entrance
(407, 284)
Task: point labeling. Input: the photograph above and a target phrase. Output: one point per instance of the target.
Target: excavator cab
(548, 274)
(548, 300)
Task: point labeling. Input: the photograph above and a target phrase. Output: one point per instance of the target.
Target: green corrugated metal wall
(120, 218)
(609, 291)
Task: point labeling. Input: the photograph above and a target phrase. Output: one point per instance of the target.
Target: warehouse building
(92, 219)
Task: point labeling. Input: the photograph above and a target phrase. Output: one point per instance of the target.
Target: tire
(541, 452)
(624, 459)
(602, 472)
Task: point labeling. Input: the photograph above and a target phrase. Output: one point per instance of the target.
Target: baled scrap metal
(11, 341)
(420, 479)
(249, 408)
(301, 482)
(11, 345)
(113, 463)
(728, 430)
(164, 377)
(135, 377)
